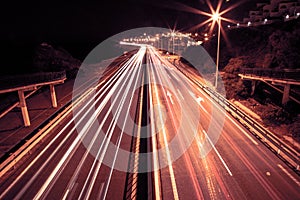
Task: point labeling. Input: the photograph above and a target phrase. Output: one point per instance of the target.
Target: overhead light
(249, 23)
(216, 16)
(287, 16)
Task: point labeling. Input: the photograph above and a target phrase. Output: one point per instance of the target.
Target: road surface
(145, 130)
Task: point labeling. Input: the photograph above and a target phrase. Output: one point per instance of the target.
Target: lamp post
(216, 17)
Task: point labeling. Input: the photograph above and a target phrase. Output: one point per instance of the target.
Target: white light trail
(102, 149)
(76, 142)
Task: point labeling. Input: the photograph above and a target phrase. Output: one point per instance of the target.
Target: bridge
(282, 77)
(26, 83)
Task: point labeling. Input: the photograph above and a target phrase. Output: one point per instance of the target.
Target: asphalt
(206, 157)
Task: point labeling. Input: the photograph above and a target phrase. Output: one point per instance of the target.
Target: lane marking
(198, 100)
(180, 94)
(217, 152)
(229, 117)
(289, 175)
(170, 96)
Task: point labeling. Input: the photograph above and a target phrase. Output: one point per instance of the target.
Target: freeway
(145, 130)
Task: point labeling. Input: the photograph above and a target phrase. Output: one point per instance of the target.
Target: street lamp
(217, 18)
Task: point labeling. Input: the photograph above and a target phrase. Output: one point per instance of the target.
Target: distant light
(145, 34)
(298, 14)
(266, 20)
(196, 34)
(228, 26)
(238, 24)
(215, 16)
(249, 23)
(205, 34)
(206, 39)
(287, 16)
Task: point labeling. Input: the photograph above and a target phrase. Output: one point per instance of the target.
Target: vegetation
(274, 46)
(234, 86)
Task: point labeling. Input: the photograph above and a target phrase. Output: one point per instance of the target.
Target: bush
(294, 128)
(275, 115)
(234, 86)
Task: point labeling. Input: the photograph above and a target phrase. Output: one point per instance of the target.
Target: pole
(218, 52)
(23, 108)
(173, 45)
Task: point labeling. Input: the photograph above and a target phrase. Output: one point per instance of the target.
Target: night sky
(78, 26)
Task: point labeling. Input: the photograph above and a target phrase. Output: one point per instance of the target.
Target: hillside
(275, 46)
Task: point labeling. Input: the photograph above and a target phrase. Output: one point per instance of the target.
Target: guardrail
(14, 155)
(287, 154)
(275, 144)
(28, 79)
(293, 74)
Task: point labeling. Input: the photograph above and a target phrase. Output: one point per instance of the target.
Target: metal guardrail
(21, 149)
(288, 155)
(293, 74)
(28, 79)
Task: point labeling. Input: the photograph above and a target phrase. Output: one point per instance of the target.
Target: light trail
(174, 99)
(168, 153)
(78, 138)
(71, 150)
(81, 164)
(139, 66)
(154, 149)
(99, 156)
(220, 109)
(162, 80)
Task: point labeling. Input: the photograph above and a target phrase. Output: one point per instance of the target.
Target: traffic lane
(45, 175)
(185, 174)
(181, 167)
(117, 186)
(262, 164)
(207, 124)
(261, 159)
(258, 178)
(183, 180)
(86, 143)
(51, 134)
(241, 194)
(31, 176)
(261, 154)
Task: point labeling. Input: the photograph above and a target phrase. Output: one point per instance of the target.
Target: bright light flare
(216, 16)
